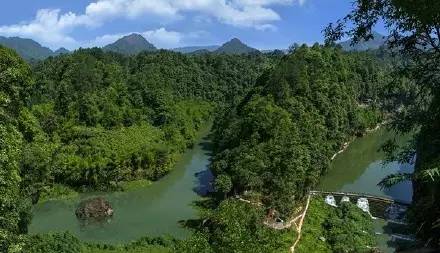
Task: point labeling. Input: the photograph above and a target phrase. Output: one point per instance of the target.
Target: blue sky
(263, 24)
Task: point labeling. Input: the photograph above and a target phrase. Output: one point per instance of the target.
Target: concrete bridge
(381, 207)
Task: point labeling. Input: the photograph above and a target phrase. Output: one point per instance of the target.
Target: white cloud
(49, 27)
(52, 28)
(242, 13)
(163, 38)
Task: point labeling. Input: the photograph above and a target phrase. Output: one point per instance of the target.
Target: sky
(263, 24)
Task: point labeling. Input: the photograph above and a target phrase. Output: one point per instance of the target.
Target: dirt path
(301, 222)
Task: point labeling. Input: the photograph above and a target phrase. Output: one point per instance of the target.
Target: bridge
(380, 207)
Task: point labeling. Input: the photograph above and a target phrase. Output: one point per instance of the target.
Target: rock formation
(94, 208)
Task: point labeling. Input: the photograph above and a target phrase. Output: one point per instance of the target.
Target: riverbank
(63, 192)
(155, 210)
(347, 144)
(361, 167)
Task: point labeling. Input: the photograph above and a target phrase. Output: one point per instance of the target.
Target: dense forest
(92, 120)
(415, 36)
(279, 140)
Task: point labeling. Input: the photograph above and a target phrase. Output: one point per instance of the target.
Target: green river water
(157, 209)
(154, 210)
(360, 168)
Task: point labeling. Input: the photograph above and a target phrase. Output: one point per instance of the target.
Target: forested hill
(130, 45)
(192, 49)
(235, 46)
(376, 42)
(279, 140)
(93, 120)
(27, 48)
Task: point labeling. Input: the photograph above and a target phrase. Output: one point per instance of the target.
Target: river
(157, 209)
(151, 211)
(360, 168)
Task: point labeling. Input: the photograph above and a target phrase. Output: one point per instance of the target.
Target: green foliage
(136, 184)
(350, 229)
(99, 120)
(51, 243)
(280, 138)
(26, 48)
(235, 46)
(57, 191)
(342, 229)
(235, 226)
(223, 184)
(96, 119)
(415, 35)
(130, 45)
(14, 210)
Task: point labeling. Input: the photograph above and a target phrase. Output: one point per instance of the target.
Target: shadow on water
(203, 204)
(204, 178)
(204, 186)
(207, 145)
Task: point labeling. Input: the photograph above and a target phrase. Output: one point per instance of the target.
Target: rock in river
(94, 208)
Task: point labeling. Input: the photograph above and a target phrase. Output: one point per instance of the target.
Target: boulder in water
(94, 208)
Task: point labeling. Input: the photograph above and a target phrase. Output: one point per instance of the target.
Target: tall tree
(415, 33)
(14, 83)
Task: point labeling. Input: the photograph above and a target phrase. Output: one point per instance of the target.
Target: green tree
(414, 33)
(223, 184)
(14, 84)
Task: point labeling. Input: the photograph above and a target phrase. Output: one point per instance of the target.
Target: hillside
(235, 46)
(61, 50)
(378, 41)
(26, 48)
(130, 45)
(192, 49)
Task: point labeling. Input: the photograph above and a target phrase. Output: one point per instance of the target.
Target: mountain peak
(26, 48)
(235, 40)
(61, 50)
(131, 44)
(235, 46)
(134, 38)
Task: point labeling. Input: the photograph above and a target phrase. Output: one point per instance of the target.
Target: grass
(135, 185)
(57, 192)
(312, 228)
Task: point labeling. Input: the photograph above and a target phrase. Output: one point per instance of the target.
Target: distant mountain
(201, 51)
(193, 49)
(235, 46)
(378, 41)
(131, 44)
(275, 51)
(61, 50)
(26, 48)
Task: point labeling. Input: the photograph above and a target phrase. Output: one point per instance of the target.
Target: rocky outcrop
(94, 208)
